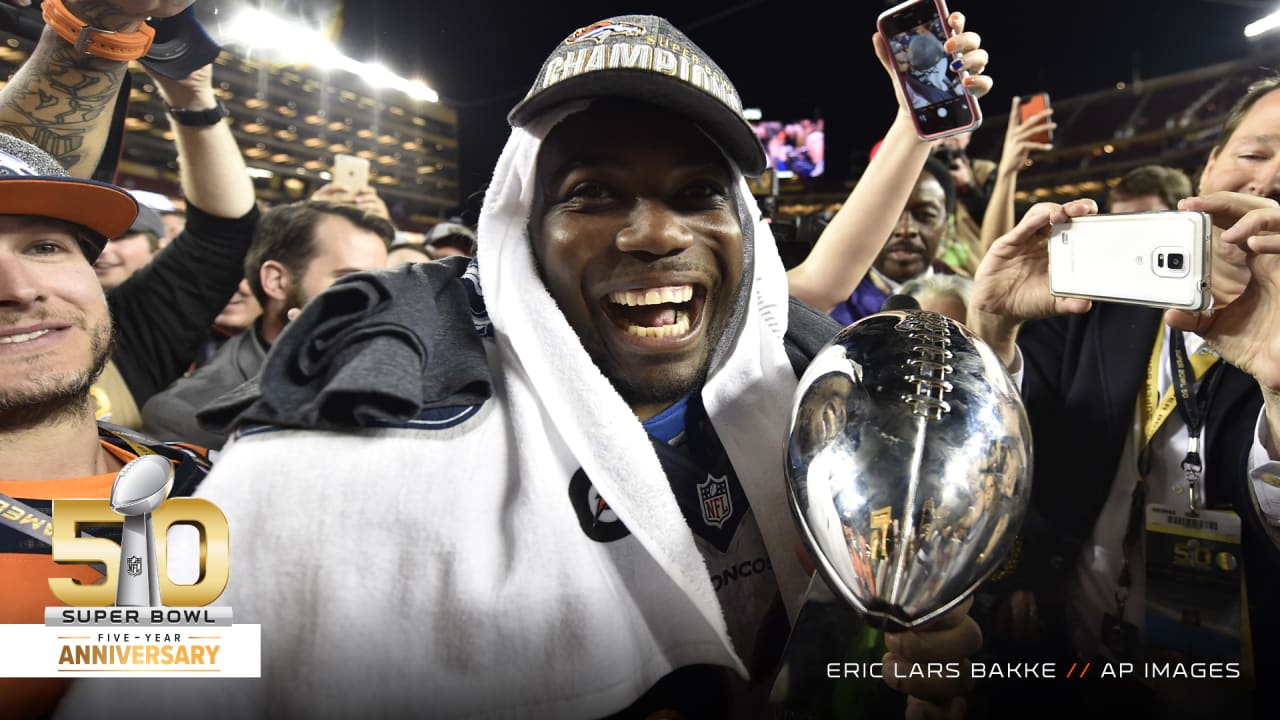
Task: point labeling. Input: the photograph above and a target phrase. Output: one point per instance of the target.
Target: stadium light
(379, 75)
(1264, 25)
(289, 41)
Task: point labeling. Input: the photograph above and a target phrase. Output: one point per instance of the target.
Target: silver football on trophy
(909, 464)
(142, 485)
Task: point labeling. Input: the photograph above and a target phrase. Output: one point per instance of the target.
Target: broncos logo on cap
(603, 30)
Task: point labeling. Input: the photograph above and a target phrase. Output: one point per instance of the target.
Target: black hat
(645, 58)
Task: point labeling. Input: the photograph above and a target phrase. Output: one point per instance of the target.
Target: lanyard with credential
(1156, 410)
(1194, 383)
(1191, 396)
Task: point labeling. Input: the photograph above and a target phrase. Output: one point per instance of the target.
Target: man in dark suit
(911, 249)
(1114, 456)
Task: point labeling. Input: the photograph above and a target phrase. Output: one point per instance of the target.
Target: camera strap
(25, 519)
(34, 523)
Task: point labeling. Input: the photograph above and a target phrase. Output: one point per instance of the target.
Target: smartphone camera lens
(1175, 261)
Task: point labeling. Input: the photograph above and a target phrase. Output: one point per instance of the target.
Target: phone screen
(916, 35)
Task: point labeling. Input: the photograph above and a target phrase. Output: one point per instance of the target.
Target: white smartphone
(350, 171)
(940, 106)
(1157, 259)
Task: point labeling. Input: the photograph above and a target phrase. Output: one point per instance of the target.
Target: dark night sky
(791, 59)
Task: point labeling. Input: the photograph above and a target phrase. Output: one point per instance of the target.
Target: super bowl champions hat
(32, 183)
(645, 58)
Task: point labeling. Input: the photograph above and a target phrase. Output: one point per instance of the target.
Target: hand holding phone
(1032, 107)
(1157, 259)
(932, 81)
(350, 171)
(1019, 137)
(366, 198)
(1244, 328)
(1011, 285)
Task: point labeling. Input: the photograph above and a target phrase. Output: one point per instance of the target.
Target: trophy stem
(153, 570)
(828, 630)
(136, 575)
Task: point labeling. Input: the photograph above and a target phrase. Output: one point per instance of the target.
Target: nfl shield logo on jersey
(717, 505)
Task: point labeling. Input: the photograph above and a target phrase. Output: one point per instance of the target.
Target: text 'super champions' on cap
(645, 58)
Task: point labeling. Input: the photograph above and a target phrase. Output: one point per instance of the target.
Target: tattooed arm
(61, 100)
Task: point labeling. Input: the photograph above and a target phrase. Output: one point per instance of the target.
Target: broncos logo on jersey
(597, 519)
(603, 30)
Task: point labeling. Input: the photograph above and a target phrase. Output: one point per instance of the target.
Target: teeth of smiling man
(24, 337)
(657, 321)
(680, 327)
(653, 296)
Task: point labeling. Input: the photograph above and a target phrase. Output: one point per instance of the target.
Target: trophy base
(830, 664)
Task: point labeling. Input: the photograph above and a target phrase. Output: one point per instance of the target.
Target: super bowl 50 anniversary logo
(140, 618)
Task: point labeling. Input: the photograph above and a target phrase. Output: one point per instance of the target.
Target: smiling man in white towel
(548, 482)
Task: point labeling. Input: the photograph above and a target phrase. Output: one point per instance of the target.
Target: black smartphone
(916, 31)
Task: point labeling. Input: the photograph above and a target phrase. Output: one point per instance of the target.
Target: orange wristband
(106, 44)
